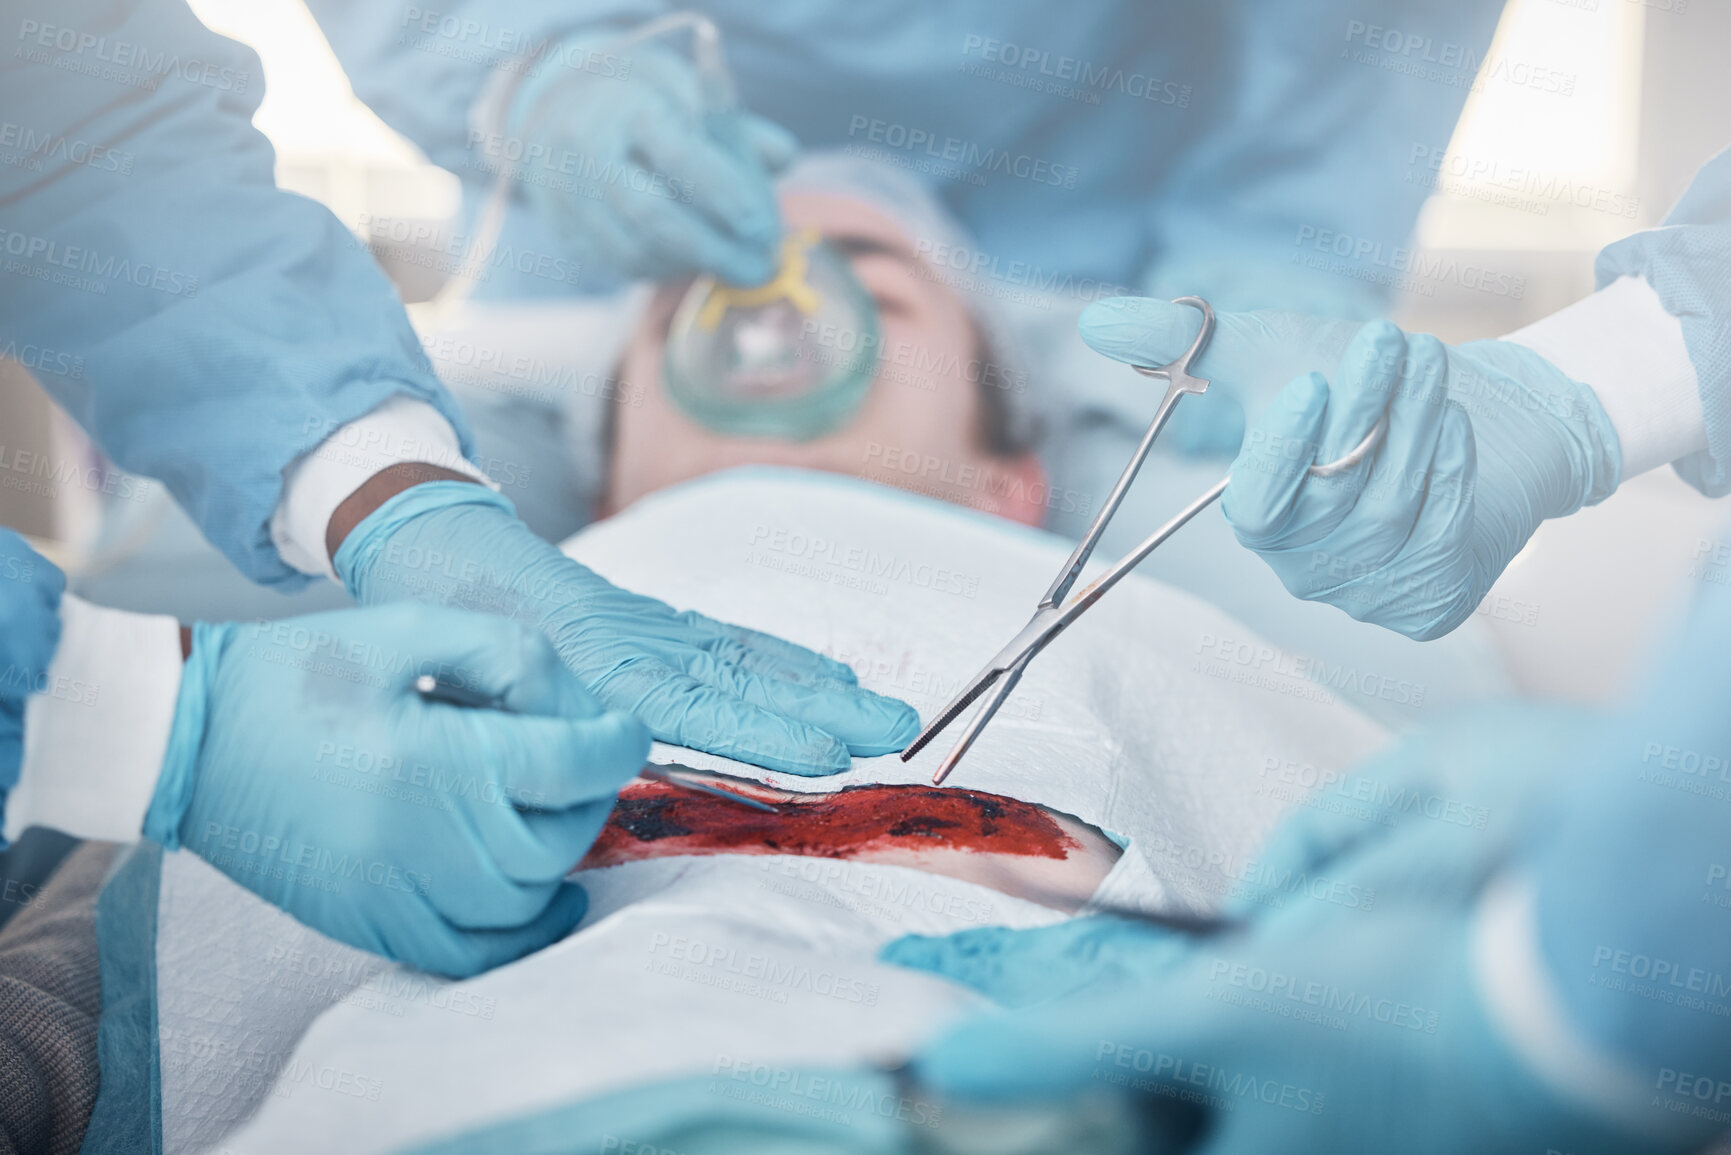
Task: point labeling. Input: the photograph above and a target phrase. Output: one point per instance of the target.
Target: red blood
(654, 820)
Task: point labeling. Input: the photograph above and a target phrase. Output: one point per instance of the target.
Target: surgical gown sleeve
(1628, 878)
(1687, 260)
(1306, 195)
(207, 328)
(422, 68)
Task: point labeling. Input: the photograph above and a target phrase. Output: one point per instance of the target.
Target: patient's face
(910, 417)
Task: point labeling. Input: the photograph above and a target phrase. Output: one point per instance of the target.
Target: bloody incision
(654, 820)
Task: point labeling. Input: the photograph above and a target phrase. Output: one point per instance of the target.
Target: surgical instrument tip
(937, 726)
(1054, 614)
(662, 773)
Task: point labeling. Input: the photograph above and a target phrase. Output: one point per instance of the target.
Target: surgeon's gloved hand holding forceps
(1052, 616)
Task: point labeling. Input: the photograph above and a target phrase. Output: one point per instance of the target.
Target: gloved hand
(1343, 1032)
(303, 765)
(682, 187)
(1451, 796)
(1025, 968)
(1447, 799)
(1249, 358)
(692, 680)
(1319, 1027)
(1485, 441)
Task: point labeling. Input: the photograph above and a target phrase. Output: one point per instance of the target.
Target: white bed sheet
(1134, 721)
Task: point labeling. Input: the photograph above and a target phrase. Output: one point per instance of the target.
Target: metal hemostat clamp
(1052, 616)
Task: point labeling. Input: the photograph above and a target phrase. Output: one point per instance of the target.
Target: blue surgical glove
(1318, 1027)
(1447, 800)
(1486, 440)
(303, 764)
(643, 177)
(692, 680)
(1024, 968)
(1249, 358)
(1447, 796)
(1308, 1037)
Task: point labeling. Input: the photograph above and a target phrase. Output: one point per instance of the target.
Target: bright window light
(329, 145)
(1548, 165)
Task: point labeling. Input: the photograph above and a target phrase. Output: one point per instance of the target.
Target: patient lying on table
(982, 396)
(945, 387)
(949, 384)
(720, 940)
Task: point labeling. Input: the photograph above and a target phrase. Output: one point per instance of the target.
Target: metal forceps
(1052, 617)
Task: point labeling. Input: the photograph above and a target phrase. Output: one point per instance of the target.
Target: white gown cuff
(95, 735)
(1621, 343)
(402, 429)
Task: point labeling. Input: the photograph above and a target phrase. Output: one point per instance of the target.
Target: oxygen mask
(791, 359)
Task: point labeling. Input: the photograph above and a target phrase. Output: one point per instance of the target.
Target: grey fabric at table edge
(50, 1005)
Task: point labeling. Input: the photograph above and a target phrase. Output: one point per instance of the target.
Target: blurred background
(1651, 102)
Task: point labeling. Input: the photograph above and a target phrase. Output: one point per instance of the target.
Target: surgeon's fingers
(683, 710)
(761, 653)
(463, 881)
(1320, 837)
(536, 847)
(1251, 353)
(870, 724)
(1274, 501)
(721, 181)
(567, 835)
(555, 763)
(773, 145)
(493, 763)
(434, 944)
(1271, 464)
(673, 238)
(498, 660)
(1441, 570)
(1405, 460)
(484, 899)
(1370, 380)
(1056, 1049)
(791, 680)
(540, 817)
(1211, 425)
(1019, 968)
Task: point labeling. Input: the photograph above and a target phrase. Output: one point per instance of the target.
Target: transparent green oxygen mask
(791, 359)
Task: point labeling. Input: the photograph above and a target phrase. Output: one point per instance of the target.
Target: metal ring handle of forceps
(1050, 619)
(1180, 380)
(1334, 468)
